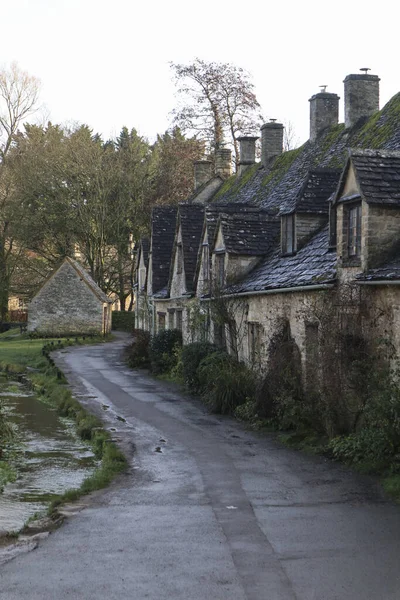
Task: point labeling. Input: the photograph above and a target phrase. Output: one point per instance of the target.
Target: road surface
(208, 510)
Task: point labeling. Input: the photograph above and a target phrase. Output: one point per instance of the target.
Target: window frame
(179, 319)
(354, 216)
(288, 234)
(161, 321)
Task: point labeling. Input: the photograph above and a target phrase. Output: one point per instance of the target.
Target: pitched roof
(388, 271)
(249, 231)
(313, 264)
(278, 186)
(191, 218)
(162, 239)
(378, 175)
(316, 190)
(83, 275)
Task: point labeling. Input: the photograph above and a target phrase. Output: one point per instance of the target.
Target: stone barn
(70, 303)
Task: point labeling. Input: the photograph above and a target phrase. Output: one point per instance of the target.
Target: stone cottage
(301, 233)
(70, 303)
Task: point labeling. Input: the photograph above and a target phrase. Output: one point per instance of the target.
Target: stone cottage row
(286, 240)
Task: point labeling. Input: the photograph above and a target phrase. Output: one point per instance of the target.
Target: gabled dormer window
(179, 258)
(287, 234)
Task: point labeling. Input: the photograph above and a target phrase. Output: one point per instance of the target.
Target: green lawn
(19, 351)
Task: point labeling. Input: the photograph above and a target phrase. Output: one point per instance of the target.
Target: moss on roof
(274, 187)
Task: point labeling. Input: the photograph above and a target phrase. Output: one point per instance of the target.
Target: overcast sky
(106, 63)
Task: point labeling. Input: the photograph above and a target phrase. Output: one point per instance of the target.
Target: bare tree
(19, 93)
(217, 102)
(290, 139)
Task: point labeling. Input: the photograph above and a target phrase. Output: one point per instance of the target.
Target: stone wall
(382, 234)
(306, 226)
(66, 305)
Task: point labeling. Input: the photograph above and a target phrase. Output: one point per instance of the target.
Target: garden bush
(123, 320)
(138, 353)
(163, 356)
(225, 383)
(192, 355)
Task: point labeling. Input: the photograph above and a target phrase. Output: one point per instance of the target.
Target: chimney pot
(324, 112)
(361, 96)
(271, 141)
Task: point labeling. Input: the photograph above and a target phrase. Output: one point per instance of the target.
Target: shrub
(123, 320)
(225, 383)
(279, 396)
(137, 354)
(192, 355)
(162, 346)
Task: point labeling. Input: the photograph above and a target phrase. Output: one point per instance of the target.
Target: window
(171, 313)
(206, 262)
(254, 332)
(179, 320)
(179, 258)
(354, 231)
(287, 225)
(220, 269)
(161, 321)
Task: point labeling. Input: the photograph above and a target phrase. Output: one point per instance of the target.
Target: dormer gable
(163, 224)
(308, 211)
(243, 235)
(367, 204)
(142, 261)
(185, 250)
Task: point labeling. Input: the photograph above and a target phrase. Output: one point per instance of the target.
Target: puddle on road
(50, 459)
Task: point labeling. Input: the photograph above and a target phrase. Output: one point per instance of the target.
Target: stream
(48, 456)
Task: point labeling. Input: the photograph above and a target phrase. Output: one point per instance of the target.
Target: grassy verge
(22, 355)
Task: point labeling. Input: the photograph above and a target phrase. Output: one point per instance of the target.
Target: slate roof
(163, 232)
(389, 271)
(378, 175)
(191, 218)
(314, 264)
(316, 190)
(249, 232)
(278, 187)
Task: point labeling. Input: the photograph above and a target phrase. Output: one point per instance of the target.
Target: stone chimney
(247, 153)
(223, 162)
(361, 96)
(324, 112)
(271, 141)
(202, 172)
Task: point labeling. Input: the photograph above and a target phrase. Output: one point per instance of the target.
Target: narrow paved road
(208, 511)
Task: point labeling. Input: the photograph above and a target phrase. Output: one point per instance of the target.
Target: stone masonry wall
(65, 305)
(382, 229)
(306, 226)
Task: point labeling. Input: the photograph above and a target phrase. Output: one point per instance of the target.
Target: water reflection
(51, 459)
